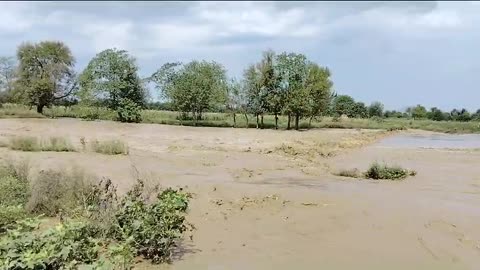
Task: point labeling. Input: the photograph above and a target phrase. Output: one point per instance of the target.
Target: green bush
(9, 215)
(129, 111)
(378, 171)
(111, 147)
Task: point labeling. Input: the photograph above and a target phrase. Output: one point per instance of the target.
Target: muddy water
(452, 141)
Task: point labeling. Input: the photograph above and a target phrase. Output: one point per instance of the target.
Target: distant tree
(375, 109)
(293, 74)
(235, 99)
(7, 73)
(360, 110)
(195, 87)
(45, 73)
(476, 115)
(111, 76)
(319, 88)
(271, 95)
(419, 112)
(344, 105)
(436, 114)
(464, 116)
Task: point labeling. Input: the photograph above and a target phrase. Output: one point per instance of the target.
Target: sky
(399, 53)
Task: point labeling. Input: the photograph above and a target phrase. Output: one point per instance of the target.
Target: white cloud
(16, 17)
(103, 35)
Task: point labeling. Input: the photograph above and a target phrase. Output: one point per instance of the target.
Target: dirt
(266, 199)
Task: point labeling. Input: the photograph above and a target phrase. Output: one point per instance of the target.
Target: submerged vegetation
(97, 229)
(378, 171)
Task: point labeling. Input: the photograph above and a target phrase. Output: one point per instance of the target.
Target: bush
(154, 227)
(129, 111)
(377, 171)
(112, 147)
(32, 144)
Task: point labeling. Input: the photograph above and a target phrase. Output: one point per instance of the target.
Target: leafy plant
(129, 111)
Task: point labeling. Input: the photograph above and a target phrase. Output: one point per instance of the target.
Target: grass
(378, 172)
(226, 120)
(33, 144)
(110, 147)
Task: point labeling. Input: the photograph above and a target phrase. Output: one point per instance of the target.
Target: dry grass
(110, 147)
(33, 144)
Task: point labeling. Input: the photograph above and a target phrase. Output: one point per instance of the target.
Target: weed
(57, 144)
(383, 171)
(25, 143)
(111, 147)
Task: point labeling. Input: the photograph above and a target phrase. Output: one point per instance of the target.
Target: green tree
(344, 105)
(270, 91)
(236, 100)
(436, 114)
(319, 87)
(419, 112)
(111, 78)
(293, 74)
(194, 87)
(360, 110)
(256, 94)
(375, 109)
(45, 73)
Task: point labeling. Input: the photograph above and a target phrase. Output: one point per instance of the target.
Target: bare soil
(266, 199)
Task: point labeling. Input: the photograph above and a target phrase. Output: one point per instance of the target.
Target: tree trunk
(297, 117)
(234, 120)
(40, 108)
(246, 118)
(276, 121)
(288, 123)
(257, 120)
(261, 121)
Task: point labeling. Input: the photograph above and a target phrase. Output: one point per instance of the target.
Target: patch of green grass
(110, 147)
(384, 171)
(9, 110)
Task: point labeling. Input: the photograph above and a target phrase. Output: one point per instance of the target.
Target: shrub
(129, 111)
(9, 215)
(26, 143)
(154, 227)
(111, 147)
(377, 171)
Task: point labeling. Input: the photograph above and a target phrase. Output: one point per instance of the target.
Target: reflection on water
(455, 141)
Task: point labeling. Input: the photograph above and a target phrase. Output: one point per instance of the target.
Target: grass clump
(32, 144)
(111, 147)
(383, 171)
(378, 171)
(24, 143)
(354, 173)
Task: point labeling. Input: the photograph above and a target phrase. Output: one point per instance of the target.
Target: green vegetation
(97, 228)
(110, 147)
(378, 171)
(383, 171)
(32, 144)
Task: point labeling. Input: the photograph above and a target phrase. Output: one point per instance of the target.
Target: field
(266, 199)
(226, 120)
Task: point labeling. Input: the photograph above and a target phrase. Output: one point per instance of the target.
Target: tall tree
(375, 109)
(293, 74)
(194, 87)
(45, 73)
(419, 112)
(344, 105)
(318, 86)
(269, 85)
(256, 94)
(7, 73)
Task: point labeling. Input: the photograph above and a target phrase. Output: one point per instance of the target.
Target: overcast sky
(400, 53)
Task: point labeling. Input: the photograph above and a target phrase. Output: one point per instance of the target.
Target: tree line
(42, 74)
